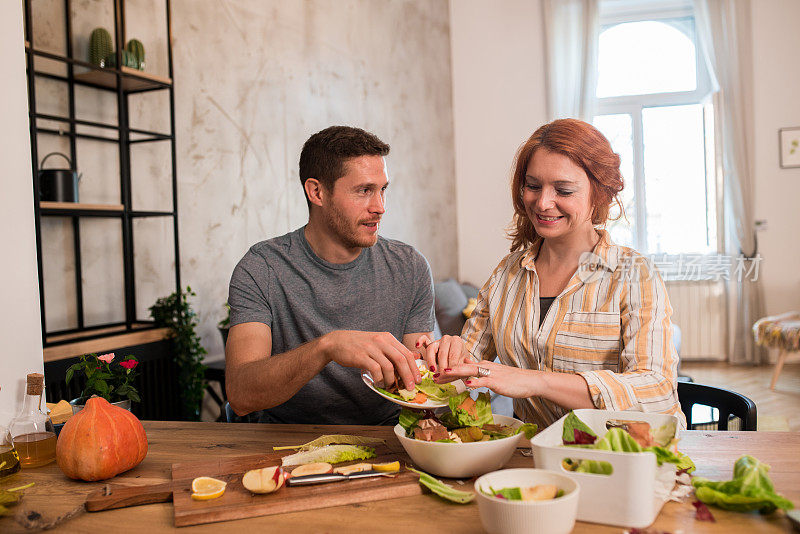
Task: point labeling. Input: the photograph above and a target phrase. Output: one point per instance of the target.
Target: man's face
(356, 204)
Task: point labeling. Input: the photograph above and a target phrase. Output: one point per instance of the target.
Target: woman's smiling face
(557, 196)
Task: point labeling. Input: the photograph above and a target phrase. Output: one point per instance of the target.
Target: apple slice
(264, 480)
(355, 468)
(542, 492)
(317, 468)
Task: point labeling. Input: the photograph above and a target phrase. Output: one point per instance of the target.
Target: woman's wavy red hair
(588, 148)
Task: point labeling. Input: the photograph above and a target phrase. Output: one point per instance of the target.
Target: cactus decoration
(100, 47)
(136, 48)
(128, 60)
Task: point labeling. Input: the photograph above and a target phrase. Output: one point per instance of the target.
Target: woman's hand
(503, 379)
(446, 353)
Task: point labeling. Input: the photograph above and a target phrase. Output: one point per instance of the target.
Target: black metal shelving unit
(123, 82)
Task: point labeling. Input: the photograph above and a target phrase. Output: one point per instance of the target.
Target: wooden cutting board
(239, 503)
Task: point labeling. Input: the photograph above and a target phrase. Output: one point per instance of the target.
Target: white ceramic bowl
(501, 516)
(462, 460)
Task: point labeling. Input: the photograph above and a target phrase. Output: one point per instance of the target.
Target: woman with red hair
(574, 320)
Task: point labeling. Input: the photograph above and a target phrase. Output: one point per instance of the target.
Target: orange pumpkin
(100, 441)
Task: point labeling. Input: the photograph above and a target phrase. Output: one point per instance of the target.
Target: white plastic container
(633, 494)
(501, 516)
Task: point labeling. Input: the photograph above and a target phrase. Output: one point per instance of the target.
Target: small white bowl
(462, 460)
(501, 516)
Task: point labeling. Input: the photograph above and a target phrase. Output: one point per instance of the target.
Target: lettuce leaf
(332, 454)
(459, 417)
(750, 489)
(619, 440)
(409, 420)
(529, 429)
(388, 394)
(512, 494)
(664, 434)
(332, 439)
(443, 490)
(576, 432)
(434, 391)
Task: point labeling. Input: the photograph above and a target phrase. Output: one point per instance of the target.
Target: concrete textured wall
(253, 80)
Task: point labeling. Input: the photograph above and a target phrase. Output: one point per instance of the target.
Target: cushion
(450, 300)
(451, 297)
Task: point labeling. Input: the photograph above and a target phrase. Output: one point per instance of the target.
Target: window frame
(679, 14)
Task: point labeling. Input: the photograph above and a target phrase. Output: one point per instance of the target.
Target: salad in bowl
(462, 441)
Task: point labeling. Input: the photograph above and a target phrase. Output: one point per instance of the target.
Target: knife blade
(335, 477)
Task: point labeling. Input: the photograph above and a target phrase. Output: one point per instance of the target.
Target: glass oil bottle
(32, 432)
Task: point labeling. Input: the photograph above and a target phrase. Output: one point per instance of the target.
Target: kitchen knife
(335, 477)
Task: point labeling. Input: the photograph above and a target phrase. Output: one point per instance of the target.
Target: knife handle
(111, 497)
(315, 479)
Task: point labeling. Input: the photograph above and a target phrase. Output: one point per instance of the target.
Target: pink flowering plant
(107, 378)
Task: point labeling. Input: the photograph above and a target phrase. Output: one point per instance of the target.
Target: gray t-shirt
(282, 283)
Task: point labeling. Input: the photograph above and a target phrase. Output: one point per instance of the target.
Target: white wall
(19, 314)
(776, 42)
(498, 101)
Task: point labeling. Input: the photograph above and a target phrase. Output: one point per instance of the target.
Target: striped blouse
(611, 325)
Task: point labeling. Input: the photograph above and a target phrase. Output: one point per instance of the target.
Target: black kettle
(58, 185)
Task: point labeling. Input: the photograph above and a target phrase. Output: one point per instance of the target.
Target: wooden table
(54, 494)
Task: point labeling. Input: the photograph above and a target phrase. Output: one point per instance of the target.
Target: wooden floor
(775, 408)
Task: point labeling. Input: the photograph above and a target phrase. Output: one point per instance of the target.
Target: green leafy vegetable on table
(443, 490)
(750, 489)
(332, 454)
(332, 439)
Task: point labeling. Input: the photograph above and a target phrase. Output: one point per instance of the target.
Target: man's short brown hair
(325, 153)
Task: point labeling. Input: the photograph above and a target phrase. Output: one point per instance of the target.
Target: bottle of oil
(9, 459)
(32, 432)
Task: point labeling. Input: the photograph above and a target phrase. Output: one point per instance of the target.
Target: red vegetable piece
(582, 438)
(702, 512)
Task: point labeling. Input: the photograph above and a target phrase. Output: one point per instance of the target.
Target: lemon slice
(387, 467)
(206, 488)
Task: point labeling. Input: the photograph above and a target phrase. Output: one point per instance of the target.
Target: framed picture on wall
(790, 147)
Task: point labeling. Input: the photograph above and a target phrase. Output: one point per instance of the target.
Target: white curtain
(724, 32)
(572, 30)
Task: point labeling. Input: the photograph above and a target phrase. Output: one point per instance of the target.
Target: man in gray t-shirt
(313, 308)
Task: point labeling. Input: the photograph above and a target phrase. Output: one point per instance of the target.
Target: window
(654, 105)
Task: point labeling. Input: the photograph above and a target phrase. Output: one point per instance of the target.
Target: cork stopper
(35, 384)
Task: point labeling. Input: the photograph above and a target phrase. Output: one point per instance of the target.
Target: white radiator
(699, 308)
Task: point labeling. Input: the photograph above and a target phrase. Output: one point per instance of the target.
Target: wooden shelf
(132, 79)
(77, 206)
(126, 339)
(54, 338)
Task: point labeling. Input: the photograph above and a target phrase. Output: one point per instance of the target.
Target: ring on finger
(484, 372)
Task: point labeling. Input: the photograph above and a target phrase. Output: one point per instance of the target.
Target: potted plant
(225, 325)
(175, 312)
(105, 378)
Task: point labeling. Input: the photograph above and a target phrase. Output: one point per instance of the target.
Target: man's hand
(380, 353)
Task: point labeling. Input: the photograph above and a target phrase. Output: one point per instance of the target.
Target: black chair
(729, 403)
(215, 371)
